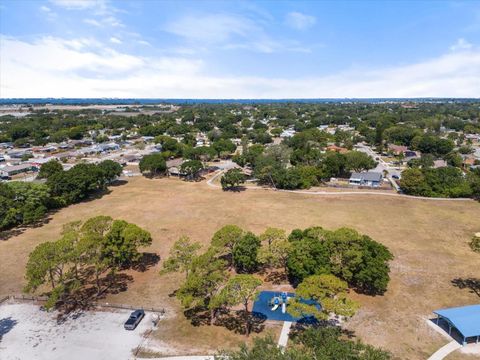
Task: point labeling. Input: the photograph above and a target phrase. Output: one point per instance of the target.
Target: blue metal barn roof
(465, 318)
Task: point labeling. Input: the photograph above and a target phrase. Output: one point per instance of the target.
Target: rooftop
(367, 176)
(465, 318)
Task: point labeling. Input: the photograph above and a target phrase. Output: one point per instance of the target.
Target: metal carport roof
(465, 318)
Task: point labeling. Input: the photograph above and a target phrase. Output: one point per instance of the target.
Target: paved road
(382, 165)
(223, 165)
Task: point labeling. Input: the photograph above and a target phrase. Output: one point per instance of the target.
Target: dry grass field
(428, 238)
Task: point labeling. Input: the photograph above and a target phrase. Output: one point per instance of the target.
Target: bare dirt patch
(428, 238)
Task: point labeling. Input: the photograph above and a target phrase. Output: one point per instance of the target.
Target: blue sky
(239, 49)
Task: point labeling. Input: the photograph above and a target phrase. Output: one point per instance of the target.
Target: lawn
(428, 238)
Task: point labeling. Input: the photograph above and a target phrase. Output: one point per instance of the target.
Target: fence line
(129, 307)
(23, 297)
(28, 298)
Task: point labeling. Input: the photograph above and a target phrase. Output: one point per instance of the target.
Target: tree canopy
(355, 258)
(82, 255)
(325, 343)
(153, 164)
(232, 179)
(328, 291)
(182, 254)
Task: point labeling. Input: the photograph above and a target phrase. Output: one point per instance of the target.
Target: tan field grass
(428, 238)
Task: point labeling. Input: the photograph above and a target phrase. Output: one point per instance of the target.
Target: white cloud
(48, 13)
(99, 8)
(212, 28)
(93, 22)
(86, 68)
(79, 4)
(300, 21)
(229, 32)
(115, 40)
(461, 44)
(112, 21)
(144, 42)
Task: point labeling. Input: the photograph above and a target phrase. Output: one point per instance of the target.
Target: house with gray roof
(369, 178)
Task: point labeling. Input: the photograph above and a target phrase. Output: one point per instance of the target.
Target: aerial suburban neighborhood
(172, 168)
(239, 180)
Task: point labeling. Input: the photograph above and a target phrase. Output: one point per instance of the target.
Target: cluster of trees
(325, 343)
(79, 182)
(432, 144)
(228, 121)
(324, 264)
(442, 182)
(86, 257)
(302, 163)
(232, 179)
(24, 203)
(153, 164)
(352, 257)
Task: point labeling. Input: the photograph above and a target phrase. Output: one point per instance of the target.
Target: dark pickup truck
(134, 319)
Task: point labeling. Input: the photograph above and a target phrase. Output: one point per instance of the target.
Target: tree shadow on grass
(198, 315)
(472, 284)
(118, 182)
(277, 277)
(20, 229)
(235, 189)
(232, 320)
(309, 322)
(86, 297)
(236, 321)
(146, 261)
(6, 325)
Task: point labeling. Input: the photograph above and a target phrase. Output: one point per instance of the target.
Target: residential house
(337, 149)
(173, 167)
(369, 178)
(18, 154)
(132, 158)
(287, 133)
(38, 162)
(397, 149)
(65, 155)
(439, 164)
(107, 147)
(44, 149)
(17, 169)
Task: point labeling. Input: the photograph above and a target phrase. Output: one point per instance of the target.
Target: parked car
(134, 319)
(395, 177)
